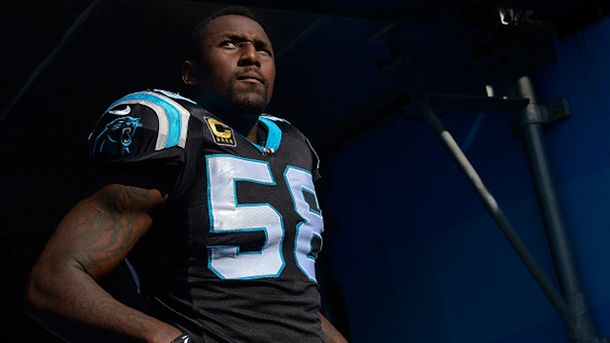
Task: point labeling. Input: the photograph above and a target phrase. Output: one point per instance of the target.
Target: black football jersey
(230, 256)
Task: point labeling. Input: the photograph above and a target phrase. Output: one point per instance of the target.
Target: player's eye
(229, 43)
(263, 50)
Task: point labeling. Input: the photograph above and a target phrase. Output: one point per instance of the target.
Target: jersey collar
(274, 136)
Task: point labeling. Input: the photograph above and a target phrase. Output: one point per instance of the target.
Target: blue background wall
(417, 257)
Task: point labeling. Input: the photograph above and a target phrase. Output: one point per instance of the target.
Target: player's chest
(251, 207)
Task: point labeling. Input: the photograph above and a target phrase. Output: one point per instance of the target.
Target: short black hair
(194, 53)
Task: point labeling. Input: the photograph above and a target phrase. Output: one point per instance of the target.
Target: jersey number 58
(228, 216)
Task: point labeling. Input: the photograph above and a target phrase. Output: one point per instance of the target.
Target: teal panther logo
(120, 130)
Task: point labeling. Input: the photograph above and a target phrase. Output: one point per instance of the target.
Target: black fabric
(172, 259)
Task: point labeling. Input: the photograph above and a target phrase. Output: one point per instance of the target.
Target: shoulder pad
(174, 95)
(172, 117)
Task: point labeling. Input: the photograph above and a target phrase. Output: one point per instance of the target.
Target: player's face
(237, 64)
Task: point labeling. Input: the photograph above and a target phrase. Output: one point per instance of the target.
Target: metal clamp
(538, 114)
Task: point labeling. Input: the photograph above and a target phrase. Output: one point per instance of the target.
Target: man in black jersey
(213, 201)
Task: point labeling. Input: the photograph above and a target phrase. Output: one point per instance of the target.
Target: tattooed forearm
(82, 300)
(91, 240)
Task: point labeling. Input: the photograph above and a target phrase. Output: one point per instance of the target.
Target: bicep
(99, 231)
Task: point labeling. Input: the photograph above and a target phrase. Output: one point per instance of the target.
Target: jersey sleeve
(140, 128)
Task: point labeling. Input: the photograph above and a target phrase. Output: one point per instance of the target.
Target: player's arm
(91, 240)
(331, 334)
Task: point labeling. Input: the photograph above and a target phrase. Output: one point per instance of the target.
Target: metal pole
(581, 326)
(498, 215)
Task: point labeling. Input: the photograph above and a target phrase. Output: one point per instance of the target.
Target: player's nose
(249, 55)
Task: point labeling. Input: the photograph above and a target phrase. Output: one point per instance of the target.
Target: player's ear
(188, 73)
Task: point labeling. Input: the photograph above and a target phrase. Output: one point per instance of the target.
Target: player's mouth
(252, 77)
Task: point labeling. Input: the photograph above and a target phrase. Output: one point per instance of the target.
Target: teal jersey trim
(274, 134)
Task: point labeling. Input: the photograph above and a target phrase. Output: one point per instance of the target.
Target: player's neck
(245, 124)
(253, 134)
(241, 121)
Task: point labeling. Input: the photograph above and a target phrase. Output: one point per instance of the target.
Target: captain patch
(222, 133)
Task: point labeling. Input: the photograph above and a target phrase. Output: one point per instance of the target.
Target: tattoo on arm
(91, 240)
(104, 235)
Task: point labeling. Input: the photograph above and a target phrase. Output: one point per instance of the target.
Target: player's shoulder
(282, 124)
(286, 127)
(155, 99)
(148, 120)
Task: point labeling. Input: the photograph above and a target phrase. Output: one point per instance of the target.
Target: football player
(213, 201)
